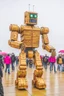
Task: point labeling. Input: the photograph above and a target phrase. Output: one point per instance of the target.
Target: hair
(8, 54)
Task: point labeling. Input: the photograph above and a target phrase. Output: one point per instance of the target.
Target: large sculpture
(30, 36)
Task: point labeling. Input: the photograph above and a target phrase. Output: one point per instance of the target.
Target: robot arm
(14, 37)
(45, 40)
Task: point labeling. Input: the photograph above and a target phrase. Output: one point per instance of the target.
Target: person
(63, 63)
(52, 61)
(1, 61)
(7, 61)
(30, 62)
(59, 62)
(17, 60)
(1, 85)
(1, 75)
(13, 58)
(27, 61)
(45, 61)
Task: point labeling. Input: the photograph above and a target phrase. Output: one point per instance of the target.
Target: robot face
(30, 18)
(33, 18)
(33, 15)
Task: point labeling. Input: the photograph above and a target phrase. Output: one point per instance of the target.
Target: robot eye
(35, 16)
(31, 15)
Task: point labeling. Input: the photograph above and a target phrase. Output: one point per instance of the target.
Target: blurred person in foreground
(1, 76)
(1, 61)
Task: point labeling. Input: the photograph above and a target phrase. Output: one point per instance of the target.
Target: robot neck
(29, 25)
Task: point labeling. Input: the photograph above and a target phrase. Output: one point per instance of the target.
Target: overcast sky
(50, 14)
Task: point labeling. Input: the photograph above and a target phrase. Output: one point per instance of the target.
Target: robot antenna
(33, 8)
(29, 6)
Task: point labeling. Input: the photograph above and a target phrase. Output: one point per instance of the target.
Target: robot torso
(30, 36)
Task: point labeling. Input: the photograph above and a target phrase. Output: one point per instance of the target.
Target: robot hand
(53, 52)
(50, 49)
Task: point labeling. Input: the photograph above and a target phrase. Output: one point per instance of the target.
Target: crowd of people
(7, 61)
(56, 62)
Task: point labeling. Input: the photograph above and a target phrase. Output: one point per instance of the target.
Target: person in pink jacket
(7, 61)
(52, 61)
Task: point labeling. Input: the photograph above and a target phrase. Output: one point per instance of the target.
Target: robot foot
(21, 83)
(39, 83)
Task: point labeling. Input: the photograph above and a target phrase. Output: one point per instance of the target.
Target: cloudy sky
(50, 14)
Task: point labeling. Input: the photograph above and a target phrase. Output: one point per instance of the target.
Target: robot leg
(38, 81)
(21, 82)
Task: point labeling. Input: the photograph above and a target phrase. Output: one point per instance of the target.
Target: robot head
(30, 18)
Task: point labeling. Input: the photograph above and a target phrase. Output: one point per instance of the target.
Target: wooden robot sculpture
(30, 36)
